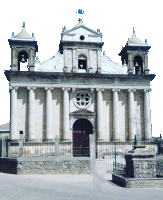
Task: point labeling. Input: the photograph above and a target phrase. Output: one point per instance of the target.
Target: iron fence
(38, 148)
(109, 152)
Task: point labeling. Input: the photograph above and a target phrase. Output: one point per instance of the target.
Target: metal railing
(36, 148)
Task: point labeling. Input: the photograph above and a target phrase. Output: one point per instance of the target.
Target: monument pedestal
(140, 163)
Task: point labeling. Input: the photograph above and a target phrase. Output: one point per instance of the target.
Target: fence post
(92, 151)
(4, 147)
(21, 144)
(56, 146)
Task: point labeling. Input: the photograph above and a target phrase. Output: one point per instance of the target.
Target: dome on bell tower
(134, 39)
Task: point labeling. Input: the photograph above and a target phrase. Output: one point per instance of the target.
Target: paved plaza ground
(66, 187)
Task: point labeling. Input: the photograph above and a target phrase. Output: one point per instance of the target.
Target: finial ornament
(133, 31)
(23, 25)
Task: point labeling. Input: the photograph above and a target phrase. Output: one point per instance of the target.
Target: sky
(115, 19)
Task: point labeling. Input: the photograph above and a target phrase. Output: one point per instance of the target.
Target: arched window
(138, 65)
(82, 62)
(22, 59)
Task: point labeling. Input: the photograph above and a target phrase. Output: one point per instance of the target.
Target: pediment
(81, 30)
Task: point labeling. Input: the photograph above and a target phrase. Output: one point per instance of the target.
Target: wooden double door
(81, 130)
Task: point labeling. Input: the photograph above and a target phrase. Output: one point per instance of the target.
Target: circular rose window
(82, 99)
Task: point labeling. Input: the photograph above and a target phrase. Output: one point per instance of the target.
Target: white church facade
(79, 91)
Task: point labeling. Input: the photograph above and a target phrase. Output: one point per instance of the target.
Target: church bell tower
(81, 48)
(135, 55)
(23, 49)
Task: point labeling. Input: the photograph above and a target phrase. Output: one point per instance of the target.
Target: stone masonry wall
(159, 165)
(45, 165)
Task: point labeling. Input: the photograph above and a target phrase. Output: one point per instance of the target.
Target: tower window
(22, 59)
(82, 37)
(82, 62)
(138, 65)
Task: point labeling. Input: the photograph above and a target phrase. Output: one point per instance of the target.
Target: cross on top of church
(23, 25)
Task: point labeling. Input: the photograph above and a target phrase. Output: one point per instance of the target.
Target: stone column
(98, 61)
(49, 112)
(147, 115)
(92, 147)
(14, 60)
(130, 64)
(145, 68)
(14, 131)
(115, 115)
(31, 120)
(131, 110)
(99, 113)
(65, 113)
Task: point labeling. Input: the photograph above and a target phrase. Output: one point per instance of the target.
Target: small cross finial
(23, 25)
(80, 20)
(133, 31)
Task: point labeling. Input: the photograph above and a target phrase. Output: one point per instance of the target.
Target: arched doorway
(81, 130)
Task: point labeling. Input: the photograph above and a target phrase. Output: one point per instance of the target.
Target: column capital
(31, 88)
(99, 89)
(13, 48)
(115, 90)
(91, 90)
(73, 90)
(147, 90)
(65, 88)
(131, 90)
(13, 87)
(49, 88)
(31, 48)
